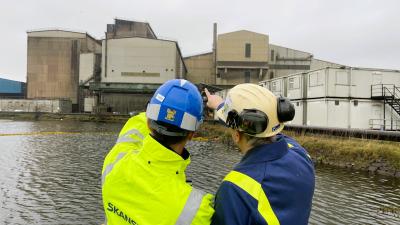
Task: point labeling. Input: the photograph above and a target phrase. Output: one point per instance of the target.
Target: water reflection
(55, 179)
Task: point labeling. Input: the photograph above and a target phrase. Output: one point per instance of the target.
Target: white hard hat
(257, 99)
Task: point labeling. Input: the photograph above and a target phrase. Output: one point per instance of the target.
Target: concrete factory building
(53, 63)
(117, 74)
(134, 64)
(346, 97)
(248, 57)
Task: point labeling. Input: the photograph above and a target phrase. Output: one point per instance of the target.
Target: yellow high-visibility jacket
(144, 182)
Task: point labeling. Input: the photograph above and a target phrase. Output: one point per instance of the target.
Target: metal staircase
(389, 93)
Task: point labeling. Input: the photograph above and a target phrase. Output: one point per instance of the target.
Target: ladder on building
(389, 93)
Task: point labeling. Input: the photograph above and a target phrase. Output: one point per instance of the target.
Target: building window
(248, 50)
(294, 83)
(271, 75)
(272, 55)
(247, 76)
(355, 102)
(316, 79)
(275, 86)
(336, 102)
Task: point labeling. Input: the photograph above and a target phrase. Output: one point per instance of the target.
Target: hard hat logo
(170, 114)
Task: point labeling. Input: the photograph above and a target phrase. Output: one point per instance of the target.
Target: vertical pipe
(105, 57)
(215, 52)
(350, 97)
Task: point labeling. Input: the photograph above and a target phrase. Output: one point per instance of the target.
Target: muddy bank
(374, 156)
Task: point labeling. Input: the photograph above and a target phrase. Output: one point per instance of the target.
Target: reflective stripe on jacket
(273, 184)
(148, 186)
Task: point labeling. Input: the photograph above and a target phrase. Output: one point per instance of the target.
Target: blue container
(10, 86)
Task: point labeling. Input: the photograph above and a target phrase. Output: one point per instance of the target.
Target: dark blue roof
(11, 86)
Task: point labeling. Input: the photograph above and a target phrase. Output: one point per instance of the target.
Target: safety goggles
(250, 121)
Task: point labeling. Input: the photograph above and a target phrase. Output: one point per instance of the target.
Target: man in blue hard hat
(143, 177)
(274, 182)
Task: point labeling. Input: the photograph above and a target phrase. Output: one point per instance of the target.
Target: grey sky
(352, 32)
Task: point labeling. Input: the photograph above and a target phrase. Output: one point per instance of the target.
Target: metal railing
(385, 90)
(384, 124)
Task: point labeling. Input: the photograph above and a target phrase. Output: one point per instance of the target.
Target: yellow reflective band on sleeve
(110, 167)
(253, 188)
(290, 145)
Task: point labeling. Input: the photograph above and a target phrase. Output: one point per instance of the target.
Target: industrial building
(12, 89)
(117, 74)
(134, 64)
(347, 97)
(248, 57)
(53, 63)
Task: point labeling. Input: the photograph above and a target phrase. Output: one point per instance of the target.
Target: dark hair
(167, 140)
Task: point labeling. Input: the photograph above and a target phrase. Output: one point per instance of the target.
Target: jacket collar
(266, 152)
(155, 152)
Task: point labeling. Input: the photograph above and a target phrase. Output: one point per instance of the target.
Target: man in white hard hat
(274, 182)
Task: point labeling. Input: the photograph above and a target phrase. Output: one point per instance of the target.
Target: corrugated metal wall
(10, 86)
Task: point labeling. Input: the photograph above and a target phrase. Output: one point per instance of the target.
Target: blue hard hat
(177, 102)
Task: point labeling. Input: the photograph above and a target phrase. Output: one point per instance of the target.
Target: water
(54, 178)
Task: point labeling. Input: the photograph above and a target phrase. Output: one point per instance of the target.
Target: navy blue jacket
(286, 174)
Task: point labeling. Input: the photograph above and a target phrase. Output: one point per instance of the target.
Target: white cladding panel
(139, 60)
(86, 66)
(316, 84)
(363, 79)
(338, 82)
(277, 86)
(328, 113)
(265, 84)
(89, 104)
(298, 116)
(337, 113)
(294, 86)
(316, 113)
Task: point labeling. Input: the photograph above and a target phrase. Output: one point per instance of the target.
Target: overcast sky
(352, 32)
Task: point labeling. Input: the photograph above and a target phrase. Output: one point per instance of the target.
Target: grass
(339, 151)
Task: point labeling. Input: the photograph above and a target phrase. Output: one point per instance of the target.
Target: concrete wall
(138, 60)
(125, 103)
(231, 46)
(285, 61)
(53, 63)
(53, 67)
(201, 68)
(126, 28)
(24, 105)
(237, 76)
(86, 66)
(319, 64)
